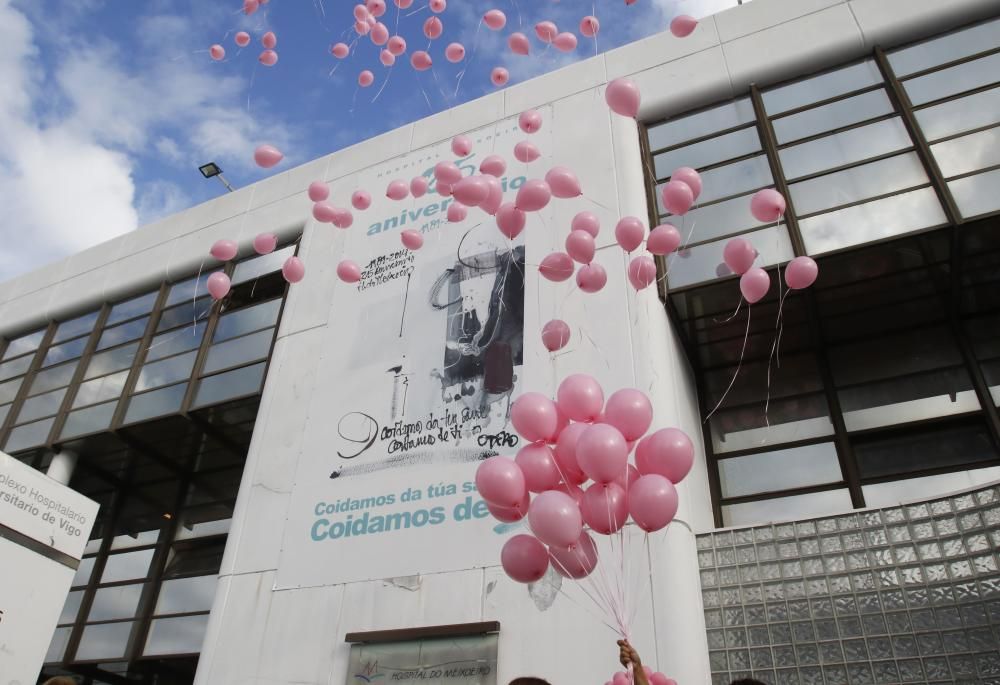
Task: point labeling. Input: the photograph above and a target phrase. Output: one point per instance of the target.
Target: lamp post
(212, 170)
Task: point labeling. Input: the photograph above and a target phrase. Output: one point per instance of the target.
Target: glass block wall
(903, 594)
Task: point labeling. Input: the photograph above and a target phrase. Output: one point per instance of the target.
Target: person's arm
(629, 657)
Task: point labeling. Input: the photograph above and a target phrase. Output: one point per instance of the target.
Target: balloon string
(468, 62)
(417, 11)
(194, 298)
(779, 325)
(738, 366)
(384, 84)
(733, 316)
(253, 77)
(520, 19)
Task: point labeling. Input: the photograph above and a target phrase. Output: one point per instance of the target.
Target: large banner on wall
(423, 361)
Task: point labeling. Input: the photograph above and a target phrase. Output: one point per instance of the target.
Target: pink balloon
(250, 6)
(630, 476)
(491, 205)
(404, 4)
(471, 191)
(518, 44)
(218, 285)
(538, 464)
(318, 191)
(224, 250)
(683, 25)
(361, 200)
(663, 239)
(801, 273)
(457, 212)
(348, 271)
(739, 255)
(293, 270)
(499, 76)
(555, 518)
(524, 559)
(396, 45)
(533, 196)
(433, 28)
(510, 220)
(530, 121)
(366, 78)
(324, 211)
(387, 58)
(581, 246)
(269, 40)
(642, 272)
(621, 678)
(340, 50)
(686, 174)
(660, 679)
(360, 13)
(217, 52)
(630, 412)
(447, 172)
(380, 34)
(495, 19)
(397, 190)
(586, 221)
(526, 152)
(500, 481)
(754, 284)
(580, 397)
(362, 28)
(605, 508)
(418, 186)
(438, 6)
(590, 26)
(267, 156)
(265, 243)
(556, 267)
(513, 514)
(412, 239)
(677, 197)
(629, 233)
(342, 218)
(667, 452)
(602, 453)
(622, 96)
(535, 417)
(591, 278)
(555, 335)
(652, 502)
(767, 205)
(565, 42)
(268, 58)
(546, 31)
(563, 182)
(444, 189)
(242, 39)
(493, 165)
(376, 7)
(565, 452)
(455, 52)
(421, 61)
(576, 561)
(573, 491)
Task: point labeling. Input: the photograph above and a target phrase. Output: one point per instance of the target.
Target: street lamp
(212, 170)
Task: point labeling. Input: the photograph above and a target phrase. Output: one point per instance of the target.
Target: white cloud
(160, 199)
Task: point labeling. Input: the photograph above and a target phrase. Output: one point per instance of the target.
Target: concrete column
(62, 466)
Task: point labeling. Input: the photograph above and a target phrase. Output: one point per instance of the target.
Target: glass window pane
(189, 289)
(957, 116)
(29, 435)
(15, 367)
(89, 420)
(225, 386)
(683, 129)
(166, 372)
(190, 530)
(780, 470)
(41, 405)
(157, 403)
(239, 351)
(968, 153)
(834, 115)
(72, 607)
(844, 148)
(83, 571)
(946, 49)
(182, 635)
(858, 183)
(186, 595)
(917, 489)
(247, 320)
(126, 332)
(174, 342)
(111, 361)
(705, 263)
(259, 266)
(186, 314)
(64, 352)
(24, 344)
(100, 389)
(139, 539)
(734, 179)
(875, 220)
(977, 194)
(832, 84)
(104, 641)
(8, 390)
(792, 508)
(708, 152)
(57, 648)
(115, 602)
(50, 379)
(954, 80)
(921, 449)
(130, 309)
(127, 566)
(75, 327)
(717, 220)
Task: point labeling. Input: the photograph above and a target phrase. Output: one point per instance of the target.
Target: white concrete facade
(258, 635)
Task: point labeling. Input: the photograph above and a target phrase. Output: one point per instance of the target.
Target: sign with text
(454, 661)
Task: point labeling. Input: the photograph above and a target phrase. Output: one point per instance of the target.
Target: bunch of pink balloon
(652, 677)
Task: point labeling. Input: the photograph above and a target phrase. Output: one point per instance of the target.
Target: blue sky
(107, 107)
